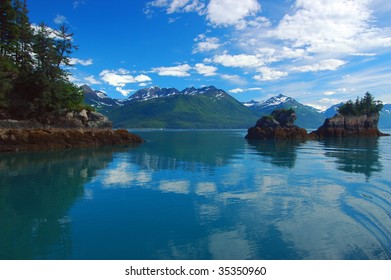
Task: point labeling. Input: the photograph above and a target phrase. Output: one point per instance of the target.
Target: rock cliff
(279, 125)
(343, 126)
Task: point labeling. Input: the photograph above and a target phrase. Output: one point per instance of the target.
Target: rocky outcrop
(61, 130)
(64, 119)
(344, 126)
(57, 138)
(279, 125)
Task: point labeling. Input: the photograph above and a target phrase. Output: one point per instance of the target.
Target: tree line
(364, 106)
(33, 80)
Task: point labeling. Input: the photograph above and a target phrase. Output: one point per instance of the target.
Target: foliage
(32, 60)
(364, 106)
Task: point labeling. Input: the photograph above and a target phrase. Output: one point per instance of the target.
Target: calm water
(199, 195)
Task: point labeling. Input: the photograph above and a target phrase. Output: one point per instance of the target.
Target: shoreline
(38, 139)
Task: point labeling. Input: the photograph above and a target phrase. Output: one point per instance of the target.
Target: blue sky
(320, 52)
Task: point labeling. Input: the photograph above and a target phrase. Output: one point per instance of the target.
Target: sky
(320, 52)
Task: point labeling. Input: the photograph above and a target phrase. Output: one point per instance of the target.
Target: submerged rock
(344, 126)
(279, 125)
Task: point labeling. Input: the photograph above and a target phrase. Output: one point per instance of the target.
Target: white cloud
(236, 79)
(60, 19)
(177, 6)
(121, 77)
(269, 74)
(231, 12)
(91, 80)
(87, 62)
(333, 26)
(241, 90)
(174, 71)
(240, 60)
(205, 70)
(205, 44)
(124, 92)
(330, 92)
(327, 64)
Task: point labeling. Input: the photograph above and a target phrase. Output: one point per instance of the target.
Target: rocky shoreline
(67, 130)
(25, 139)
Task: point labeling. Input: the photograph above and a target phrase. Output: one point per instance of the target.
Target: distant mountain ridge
(307, 117)
(206, 107)
(155, 107)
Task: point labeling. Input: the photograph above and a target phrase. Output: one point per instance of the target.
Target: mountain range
(206, 107)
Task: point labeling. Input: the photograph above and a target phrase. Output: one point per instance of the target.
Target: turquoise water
(199, 195)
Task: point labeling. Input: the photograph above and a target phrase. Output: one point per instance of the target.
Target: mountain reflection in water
(199, 195)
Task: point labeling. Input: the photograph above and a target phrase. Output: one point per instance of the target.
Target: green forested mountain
(155, 107)
(202, 108)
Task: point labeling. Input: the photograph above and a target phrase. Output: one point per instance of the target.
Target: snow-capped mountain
(157, 92)
(99, 99)
(307, 116)
(207, 107)
(152, 93)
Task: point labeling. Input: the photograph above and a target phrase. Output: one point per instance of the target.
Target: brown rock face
(344, 126)
(279, 125)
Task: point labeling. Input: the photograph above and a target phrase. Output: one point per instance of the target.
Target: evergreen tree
(364, 106)
(32, 78)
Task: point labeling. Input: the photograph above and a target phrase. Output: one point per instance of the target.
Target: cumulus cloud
(174, 71)
(91, 80)
(60, 19)
(269, 74)
(87, 62)
(205, 70)
(205, 44)
(240, 60)
(217, 12)
(327, 64)
(334, 26)
(231, 12)
(120, 78)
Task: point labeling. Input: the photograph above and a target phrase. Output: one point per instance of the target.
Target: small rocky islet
(68, 129)
(358, 119)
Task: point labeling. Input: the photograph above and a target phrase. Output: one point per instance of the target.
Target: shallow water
(199, 194)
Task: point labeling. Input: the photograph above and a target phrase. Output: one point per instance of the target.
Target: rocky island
(357, 119)
(279, 125)
(71, 129)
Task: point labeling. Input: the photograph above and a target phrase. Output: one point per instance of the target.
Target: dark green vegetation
(364, 106)
(207, 107)
(33, 81)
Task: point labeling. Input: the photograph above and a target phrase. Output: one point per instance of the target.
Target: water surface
(194, 194)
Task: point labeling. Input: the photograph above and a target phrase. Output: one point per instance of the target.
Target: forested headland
(33, 58)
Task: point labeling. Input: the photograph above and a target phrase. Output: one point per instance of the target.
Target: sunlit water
(199, 195)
